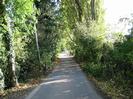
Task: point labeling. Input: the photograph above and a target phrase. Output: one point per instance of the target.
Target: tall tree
(11, 68)
(93, 9)
(79, 9)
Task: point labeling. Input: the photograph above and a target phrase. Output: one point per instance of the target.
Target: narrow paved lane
(67, 81)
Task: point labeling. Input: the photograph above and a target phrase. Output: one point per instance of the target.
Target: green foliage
(25, 22)
(94, 69)
(115, 65)
(89, 42)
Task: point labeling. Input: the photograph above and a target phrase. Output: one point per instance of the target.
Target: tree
(11, 69)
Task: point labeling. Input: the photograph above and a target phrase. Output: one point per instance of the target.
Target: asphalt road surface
(67, 81)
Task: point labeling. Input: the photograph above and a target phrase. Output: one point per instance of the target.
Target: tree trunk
(11, 68)
(79, 7)
(37, 44)
(93, 9)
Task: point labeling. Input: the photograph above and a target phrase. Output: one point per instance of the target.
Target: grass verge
(109, 87)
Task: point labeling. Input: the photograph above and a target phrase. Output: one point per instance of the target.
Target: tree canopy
(33, 32)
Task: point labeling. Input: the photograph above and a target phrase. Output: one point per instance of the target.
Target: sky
(115, 9)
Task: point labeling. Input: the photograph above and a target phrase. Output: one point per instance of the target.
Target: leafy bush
(94, 69)
(88, 42)
(107, 60)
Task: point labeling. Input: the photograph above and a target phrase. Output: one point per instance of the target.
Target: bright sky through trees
(116, 9)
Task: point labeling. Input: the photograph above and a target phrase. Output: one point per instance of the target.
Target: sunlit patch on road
(65, 54)
(56, 81)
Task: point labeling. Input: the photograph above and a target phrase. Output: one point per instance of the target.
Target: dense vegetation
(32, 32)
(28, 39)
